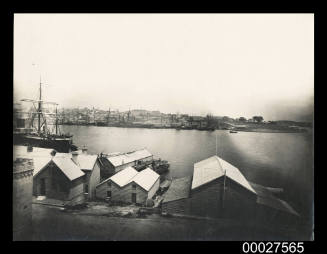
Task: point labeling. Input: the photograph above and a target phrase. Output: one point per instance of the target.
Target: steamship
(40, 135)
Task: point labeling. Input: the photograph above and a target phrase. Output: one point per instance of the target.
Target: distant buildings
(129, 186)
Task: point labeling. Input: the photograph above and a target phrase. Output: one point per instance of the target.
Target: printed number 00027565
(272, 247)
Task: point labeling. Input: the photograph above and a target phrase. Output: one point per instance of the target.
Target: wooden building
(90, 165)
(218, 189)
(122, 161)
(87, 165)
(129, 186)
(60, 179)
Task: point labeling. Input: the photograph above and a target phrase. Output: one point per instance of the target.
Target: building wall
(181, 206)
(56, 183)
(209, 201)
(58, 186)
(93, 180)
(125, 194)
(22, 205)
(76, 192)
(154, 188)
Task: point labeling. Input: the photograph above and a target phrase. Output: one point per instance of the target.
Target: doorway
(133, 197)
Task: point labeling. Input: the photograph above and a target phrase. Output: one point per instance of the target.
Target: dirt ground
(96, 224)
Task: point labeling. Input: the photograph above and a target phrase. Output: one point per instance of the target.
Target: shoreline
(243, 130)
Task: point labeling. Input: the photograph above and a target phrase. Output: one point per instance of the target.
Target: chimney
(84, 150)
(53, 153)
(74, 157)
(29, 148)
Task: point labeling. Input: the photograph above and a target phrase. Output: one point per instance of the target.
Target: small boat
(160, 166)
(232, 131)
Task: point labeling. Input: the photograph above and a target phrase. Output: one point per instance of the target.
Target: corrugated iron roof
(129, 157)
(213, 168)
(180, 188)
(146, 178)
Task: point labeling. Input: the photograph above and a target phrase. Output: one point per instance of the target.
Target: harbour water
(272, 159)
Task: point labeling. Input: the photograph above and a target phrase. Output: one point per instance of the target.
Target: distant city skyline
(222, 64)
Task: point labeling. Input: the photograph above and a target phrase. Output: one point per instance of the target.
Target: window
(108, 194)
(86, 188)
(133, 197)
(109, 184)
(134, 186)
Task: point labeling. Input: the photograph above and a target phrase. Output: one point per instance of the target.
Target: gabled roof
(86, 161)
(129, 157)
(124, 176)
(146, 178)
(180, 188)
(65, 164)
(68, 167)
(213, 168)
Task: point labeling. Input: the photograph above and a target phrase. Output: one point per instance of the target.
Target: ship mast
(39, 110)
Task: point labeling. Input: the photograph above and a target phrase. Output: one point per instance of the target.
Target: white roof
(86, 161)
(214, 167)
(129, 157)
(146, 178)
(21, 152)
(41, 157)
(39, 163)
(68, 167)
(124, 176)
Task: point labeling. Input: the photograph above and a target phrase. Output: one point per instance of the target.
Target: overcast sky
(223, 64)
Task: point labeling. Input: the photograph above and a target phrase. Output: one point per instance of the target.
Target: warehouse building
(129, 186)
(218, 189)
(121, 161)
(59, 179)
(64, 176)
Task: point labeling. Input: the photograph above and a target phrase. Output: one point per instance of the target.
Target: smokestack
(74, 157)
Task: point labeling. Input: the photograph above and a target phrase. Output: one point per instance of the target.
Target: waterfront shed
(59, 179)
(219, 188)
(129, 186)
(122, 161)
(90, 165)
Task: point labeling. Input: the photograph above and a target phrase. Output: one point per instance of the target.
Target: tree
(242, 119)
(257, 119)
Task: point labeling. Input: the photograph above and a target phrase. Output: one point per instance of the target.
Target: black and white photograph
(163, 127)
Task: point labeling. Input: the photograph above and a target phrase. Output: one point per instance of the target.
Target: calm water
(272, 159)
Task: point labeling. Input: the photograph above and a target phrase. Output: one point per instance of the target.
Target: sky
(222, 64)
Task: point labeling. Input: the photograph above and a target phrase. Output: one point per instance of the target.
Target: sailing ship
(40, 135)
